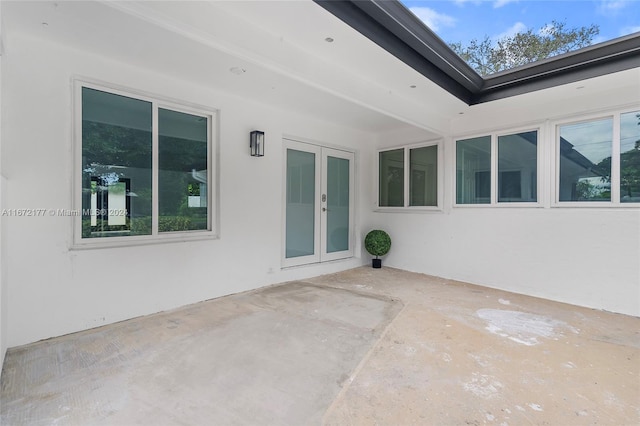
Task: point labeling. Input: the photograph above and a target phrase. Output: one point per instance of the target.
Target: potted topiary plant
(377, 243)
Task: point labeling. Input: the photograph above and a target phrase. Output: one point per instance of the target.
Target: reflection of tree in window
(116, 146)
(182, 163)
(629, 164)
(585, 161)
(630, 157)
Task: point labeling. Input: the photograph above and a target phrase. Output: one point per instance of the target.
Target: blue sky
(464, 20)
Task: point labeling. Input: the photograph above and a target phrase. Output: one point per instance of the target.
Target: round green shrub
(377, 243)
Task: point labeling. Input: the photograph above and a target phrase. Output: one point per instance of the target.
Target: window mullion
(615, 161)
(494, 169)
(407, 174)
(154, 171)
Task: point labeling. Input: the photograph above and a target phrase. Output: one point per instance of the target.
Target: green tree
(489, 57)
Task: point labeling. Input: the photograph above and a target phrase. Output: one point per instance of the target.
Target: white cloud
(499, 3)
(516, 28)
(612, 7)
(433, 19)
(462, 2)
(629, 30)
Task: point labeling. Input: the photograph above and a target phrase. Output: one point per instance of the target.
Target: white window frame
(407, 175)
(615, 115)
(157, 102)
(494, 168)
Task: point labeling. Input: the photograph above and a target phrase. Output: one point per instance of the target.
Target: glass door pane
(337, 204)
(318, 204)
(300, 204)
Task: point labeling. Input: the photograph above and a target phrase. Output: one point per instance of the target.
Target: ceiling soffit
(394, 28)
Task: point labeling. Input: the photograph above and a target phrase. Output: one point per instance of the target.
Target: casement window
(410, 177)
(497, 169)
(598, 161)
(144, 169)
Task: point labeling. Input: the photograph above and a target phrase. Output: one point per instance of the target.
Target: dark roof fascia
(407, 27)
(394, 28)
(605, 58)
(408, 40)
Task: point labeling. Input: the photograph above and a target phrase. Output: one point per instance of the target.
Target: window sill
(408, 210)
(594, 204)
(116, 242)
(499, 206)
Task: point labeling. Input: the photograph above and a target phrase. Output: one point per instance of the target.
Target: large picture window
(599, 160)
(145, 168)
(497, 169)
(409, 177)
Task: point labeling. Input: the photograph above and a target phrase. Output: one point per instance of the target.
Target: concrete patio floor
(364, 346)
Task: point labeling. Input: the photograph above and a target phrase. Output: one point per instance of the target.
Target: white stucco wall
(585, 255)
(54, 290)
(582, 256)
(3, 281)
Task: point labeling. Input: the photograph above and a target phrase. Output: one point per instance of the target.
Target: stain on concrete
(520, 327)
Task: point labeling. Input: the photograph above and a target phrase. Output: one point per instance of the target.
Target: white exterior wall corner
(54, 290)
(585, 256)
(3, 281)
(538, 252)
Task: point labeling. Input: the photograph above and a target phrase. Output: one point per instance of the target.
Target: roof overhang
(394, 28)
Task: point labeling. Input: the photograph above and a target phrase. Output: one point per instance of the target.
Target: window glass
(423, 179)
(630, 157)
(585, 161)
(301, 208)
(116, 165)
(473, 170)
(517, 167)
(337, 204)
(182, 171)
(391, 184)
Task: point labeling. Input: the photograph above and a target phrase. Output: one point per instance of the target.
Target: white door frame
(320, 216)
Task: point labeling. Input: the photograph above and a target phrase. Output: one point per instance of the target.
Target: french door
(318, 207)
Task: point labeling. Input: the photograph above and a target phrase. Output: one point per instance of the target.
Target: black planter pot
(376, 263)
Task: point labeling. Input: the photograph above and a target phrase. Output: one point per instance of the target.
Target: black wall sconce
(256, 143)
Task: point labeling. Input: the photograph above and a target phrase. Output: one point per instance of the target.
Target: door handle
(324, 209)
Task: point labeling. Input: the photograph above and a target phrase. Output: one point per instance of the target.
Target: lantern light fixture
(256, 143)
